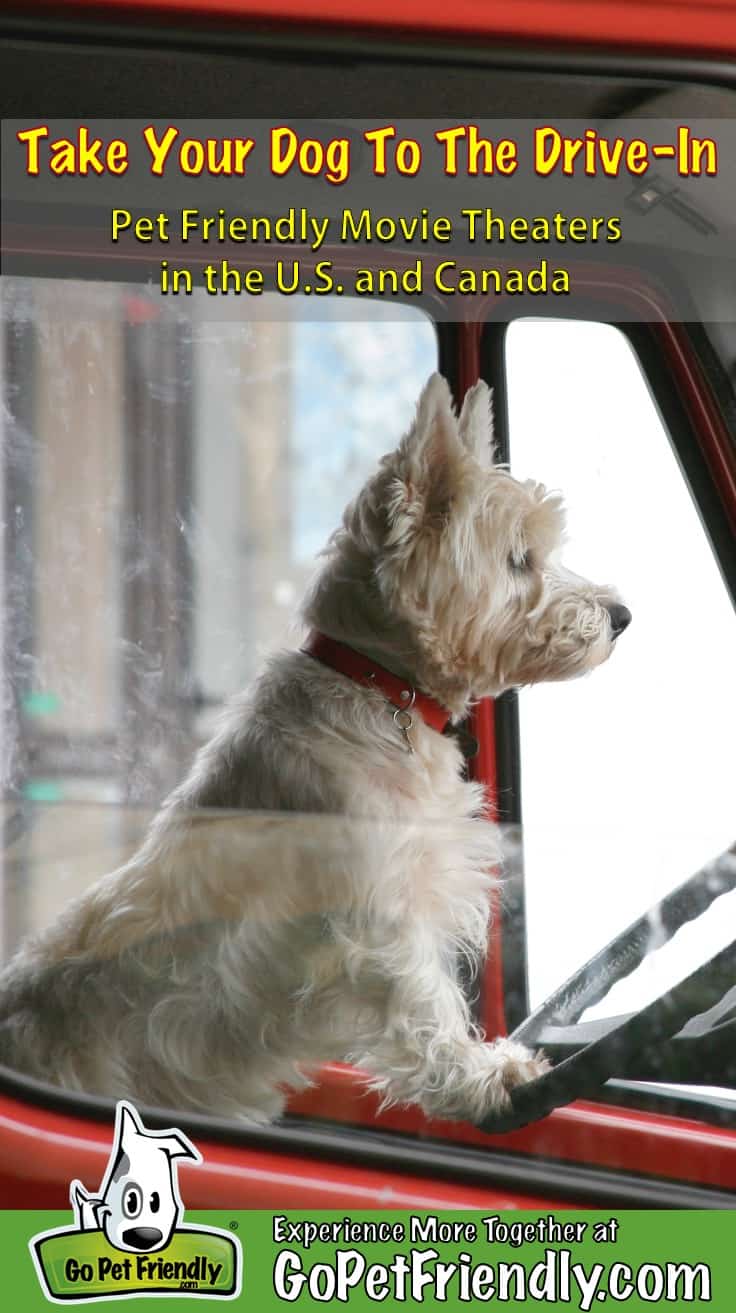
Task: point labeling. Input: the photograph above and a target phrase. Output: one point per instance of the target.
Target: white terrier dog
(233, 953)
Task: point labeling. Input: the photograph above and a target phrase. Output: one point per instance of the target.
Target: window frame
(545, 1156)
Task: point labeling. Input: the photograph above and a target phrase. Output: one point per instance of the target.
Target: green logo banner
(82, 1265)
(267, 1261)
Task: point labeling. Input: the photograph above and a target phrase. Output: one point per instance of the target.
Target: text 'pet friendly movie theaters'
(300, 225)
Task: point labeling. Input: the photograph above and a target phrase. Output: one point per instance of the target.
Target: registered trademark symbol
(234, 1226)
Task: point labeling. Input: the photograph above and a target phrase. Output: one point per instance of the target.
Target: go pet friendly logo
(127, 1240)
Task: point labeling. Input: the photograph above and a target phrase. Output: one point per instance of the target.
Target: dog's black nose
(143, 1237)
(620, 618)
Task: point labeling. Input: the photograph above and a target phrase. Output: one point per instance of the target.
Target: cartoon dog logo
(137, 1212)
(139, 1204)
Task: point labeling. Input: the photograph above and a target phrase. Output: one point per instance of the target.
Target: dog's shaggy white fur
(233, 953)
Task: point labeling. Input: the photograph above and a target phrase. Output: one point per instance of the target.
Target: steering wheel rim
(593, 1063)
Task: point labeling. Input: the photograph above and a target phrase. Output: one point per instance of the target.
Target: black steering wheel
(687, 1035)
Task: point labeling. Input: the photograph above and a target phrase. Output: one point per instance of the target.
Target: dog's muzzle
(620, 618)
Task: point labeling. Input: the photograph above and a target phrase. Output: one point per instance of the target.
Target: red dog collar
(363, 671)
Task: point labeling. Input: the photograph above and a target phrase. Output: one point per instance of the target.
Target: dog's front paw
(511, 1065)
(518, 1064)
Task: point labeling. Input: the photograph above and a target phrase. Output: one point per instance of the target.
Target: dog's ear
(429, 455)
(131, 1129)
(128, 1126)
(476, 423)
(177, 1145)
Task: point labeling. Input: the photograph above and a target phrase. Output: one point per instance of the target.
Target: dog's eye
(132, 1200)
(154, 1202)
(519, 562)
